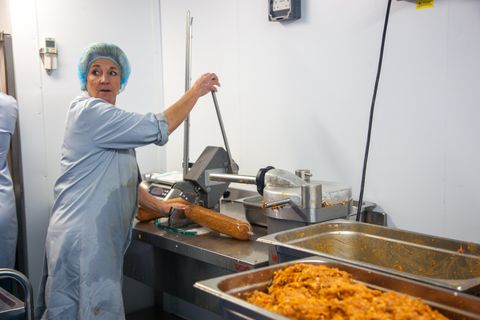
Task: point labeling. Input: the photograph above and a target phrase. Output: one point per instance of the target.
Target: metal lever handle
(233, 166)
(225, 177)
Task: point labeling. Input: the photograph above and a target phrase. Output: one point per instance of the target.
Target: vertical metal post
(16, 158)
(188, 58)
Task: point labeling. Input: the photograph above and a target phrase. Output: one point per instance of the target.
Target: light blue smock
(94, 206)
(8, 212)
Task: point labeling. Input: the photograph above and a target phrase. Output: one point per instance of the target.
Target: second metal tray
(439, 261)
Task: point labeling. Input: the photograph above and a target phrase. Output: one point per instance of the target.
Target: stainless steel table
(171, 262)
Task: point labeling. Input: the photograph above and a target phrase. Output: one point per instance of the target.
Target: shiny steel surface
(9, 304)
(254, 213)
(232, 288)
(226, 177)
(287, 197)
(439, 261)
(171, 263)
(211, 247)
(188, 59)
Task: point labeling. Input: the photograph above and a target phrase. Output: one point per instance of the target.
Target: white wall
(5, 25)
(298, 95)
(43, 99)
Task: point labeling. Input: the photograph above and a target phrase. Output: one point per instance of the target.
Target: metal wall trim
(16, 157)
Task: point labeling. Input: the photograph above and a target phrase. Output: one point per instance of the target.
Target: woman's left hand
(206, 83)
(161, 209)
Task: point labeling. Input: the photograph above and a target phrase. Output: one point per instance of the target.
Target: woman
(96, 194)
(8, 212)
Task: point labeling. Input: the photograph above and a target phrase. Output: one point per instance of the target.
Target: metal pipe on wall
(188, 58)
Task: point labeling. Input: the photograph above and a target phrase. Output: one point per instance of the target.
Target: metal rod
(224, 134)
(277, 203)
(16, 152)
(188, 58)
(225, 177)
(282, 202)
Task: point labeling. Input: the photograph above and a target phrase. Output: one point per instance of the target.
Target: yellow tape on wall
(424, 4)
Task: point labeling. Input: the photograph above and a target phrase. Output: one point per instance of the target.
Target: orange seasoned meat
(307, 291)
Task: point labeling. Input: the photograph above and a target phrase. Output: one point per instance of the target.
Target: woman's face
(103, 80)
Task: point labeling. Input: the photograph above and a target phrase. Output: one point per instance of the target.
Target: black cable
(370, 122)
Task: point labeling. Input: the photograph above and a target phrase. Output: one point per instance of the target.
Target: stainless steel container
(438, 261)
(10, 306)
(231, 289)
(254, 212)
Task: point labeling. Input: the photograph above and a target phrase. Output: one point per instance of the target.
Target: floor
(152, 314)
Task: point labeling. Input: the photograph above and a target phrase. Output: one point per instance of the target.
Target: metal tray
(10, 306)
(231, 288)
(439, 261)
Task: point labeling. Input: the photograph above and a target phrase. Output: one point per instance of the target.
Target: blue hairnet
(103, 51)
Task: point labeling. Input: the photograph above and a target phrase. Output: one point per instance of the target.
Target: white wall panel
(298, 95)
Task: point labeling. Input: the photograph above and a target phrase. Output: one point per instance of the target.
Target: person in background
(8, 212)
(96, 195)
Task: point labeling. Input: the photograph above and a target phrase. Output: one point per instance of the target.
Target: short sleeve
(112, 127)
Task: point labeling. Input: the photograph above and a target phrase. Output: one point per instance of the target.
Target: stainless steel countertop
(222, 251)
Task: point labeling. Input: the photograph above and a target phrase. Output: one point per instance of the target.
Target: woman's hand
(166, 206)
(179, 111)
(160, 208)
(151, 207)
(206, 83)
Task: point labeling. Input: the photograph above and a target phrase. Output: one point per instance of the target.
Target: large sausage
(219, 222)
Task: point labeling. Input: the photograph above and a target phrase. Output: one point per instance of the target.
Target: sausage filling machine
(293, 200)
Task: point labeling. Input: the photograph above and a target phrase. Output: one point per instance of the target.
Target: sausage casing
(219, 222)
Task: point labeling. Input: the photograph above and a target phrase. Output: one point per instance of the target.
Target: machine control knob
(260, 178)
